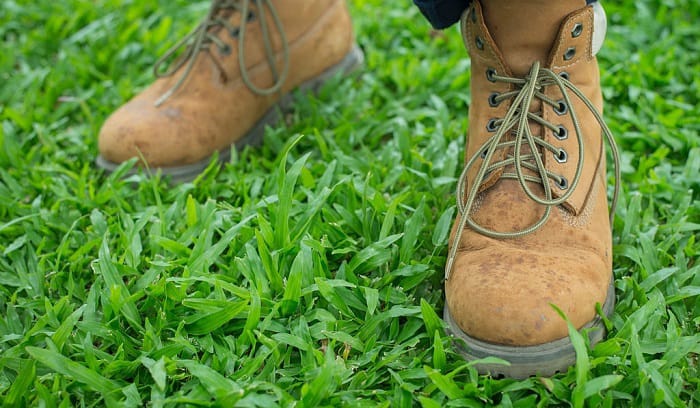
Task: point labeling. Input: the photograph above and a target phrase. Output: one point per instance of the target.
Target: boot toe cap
(506, 298)
(160, 137)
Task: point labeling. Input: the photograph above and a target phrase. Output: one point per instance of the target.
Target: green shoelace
(204, 34)
(517, 120)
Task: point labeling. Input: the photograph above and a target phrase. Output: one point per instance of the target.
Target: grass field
(309, 270)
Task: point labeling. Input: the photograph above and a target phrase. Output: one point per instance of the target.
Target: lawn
(309, 270)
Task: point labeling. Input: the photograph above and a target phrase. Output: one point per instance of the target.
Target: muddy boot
(235, 71)
(534, 225)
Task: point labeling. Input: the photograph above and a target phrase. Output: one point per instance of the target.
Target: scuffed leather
(211, 111)
(500, 290)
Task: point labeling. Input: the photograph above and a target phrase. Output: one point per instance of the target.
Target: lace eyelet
(235, 32)
(491, 126)
(577, 30)
(561, 133)
(473, 14)
(225, 50)
(564, 75)
(491, 74)
(562, 156)
(569, 53)
(561, 108)
(479, 42)
(563, 183)
(492, 100)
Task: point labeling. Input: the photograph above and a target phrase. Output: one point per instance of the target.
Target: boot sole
(180, 174)
(544, 360)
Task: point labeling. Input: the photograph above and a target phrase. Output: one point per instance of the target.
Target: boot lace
(204, 35)
(517, 122)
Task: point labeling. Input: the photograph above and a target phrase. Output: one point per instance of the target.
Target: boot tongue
(524, 30)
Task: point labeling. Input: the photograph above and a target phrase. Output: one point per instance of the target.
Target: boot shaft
(568, 54)
(524, 30)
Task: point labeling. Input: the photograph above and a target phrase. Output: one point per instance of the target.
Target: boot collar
(572, 44)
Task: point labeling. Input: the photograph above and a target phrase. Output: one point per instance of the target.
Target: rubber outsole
(544, 360)
(180, 174)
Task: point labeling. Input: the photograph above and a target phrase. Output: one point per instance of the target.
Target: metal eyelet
(569, 54)
(492, 100)
(236, 32)
(491, 74)
(562, 156)
(479, 42)
(564, 75)
(225, 50)
(561, 107)
(563, 183)
(491, 126)
(577, 30)
(561, 133)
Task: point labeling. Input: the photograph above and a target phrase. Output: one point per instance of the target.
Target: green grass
(310, 270)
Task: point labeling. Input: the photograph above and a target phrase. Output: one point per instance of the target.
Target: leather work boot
(533, 228)
(234, 73)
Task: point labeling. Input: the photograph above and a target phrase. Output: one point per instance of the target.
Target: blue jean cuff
(442, 13)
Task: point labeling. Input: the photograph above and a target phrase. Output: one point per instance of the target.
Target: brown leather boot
(534, 228)
(237, 68)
